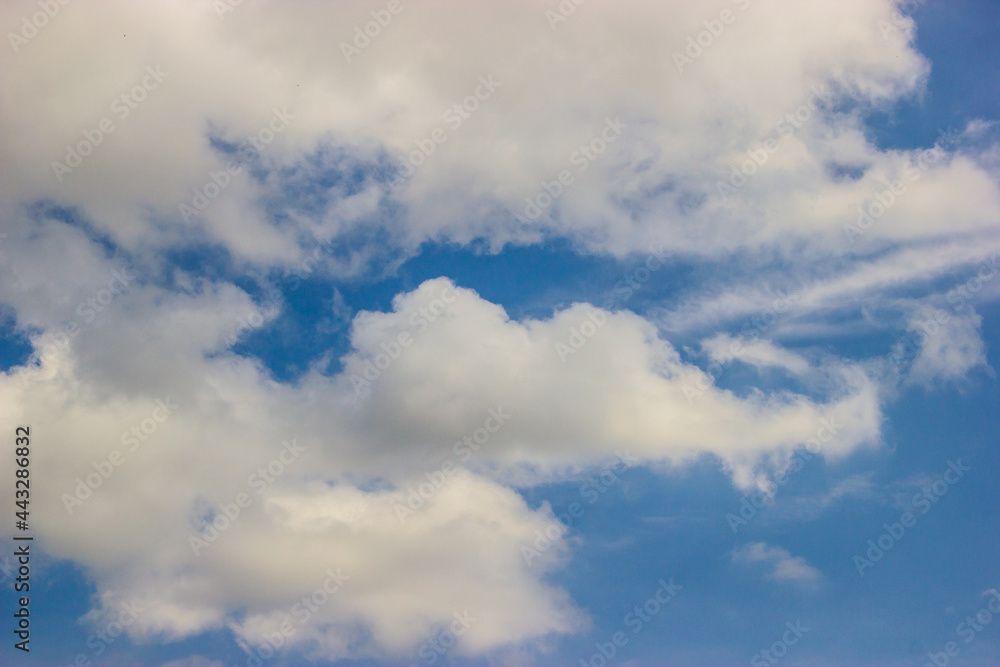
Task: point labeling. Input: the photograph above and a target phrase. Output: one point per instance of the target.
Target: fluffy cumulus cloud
(377, 507)
(385, 498)
(577, 387)
(462, 95)
(161, 466)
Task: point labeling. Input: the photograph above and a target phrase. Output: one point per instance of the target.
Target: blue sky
(460, 387)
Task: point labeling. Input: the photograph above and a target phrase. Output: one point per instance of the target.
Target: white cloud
(621, 390)
(762, 353)
(458, 553)
(656, 184)
(782, 565)
(948, 345)
(578, 385)
(624, 387)
(803, 293)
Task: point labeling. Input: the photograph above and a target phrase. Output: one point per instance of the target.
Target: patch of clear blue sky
(960, 38)
(649, 525)
(15, 347)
